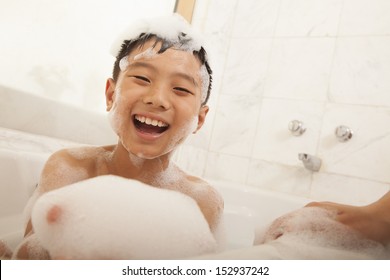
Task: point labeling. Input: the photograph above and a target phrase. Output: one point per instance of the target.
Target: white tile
(226, 167)
(217, 52)
(308, 18)
(367, 154)
(300, 68)
(220, 17)
(346, 190)
(255, 18)
(235, 124)
(277, 177)
(200, 12)
(191, 159)
(361, 71)
(365, 17)
(274, 142)
(246, 66)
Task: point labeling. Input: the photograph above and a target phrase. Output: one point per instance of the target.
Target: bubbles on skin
(171, 176)
(183, 133)
(148, 53)
(124, 63)
(89, 152)
(32, 249)
(114, 119)
(65, 173)
(5, 251)
(116, 123)
(313, 227)
(136, 160)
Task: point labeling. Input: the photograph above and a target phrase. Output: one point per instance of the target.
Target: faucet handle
(343, 133)
(296, 127)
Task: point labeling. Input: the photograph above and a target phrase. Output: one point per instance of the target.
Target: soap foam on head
(149, 53)
(168, 27)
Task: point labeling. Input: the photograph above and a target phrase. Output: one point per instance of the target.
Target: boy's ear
(202, 117)
(110, 90)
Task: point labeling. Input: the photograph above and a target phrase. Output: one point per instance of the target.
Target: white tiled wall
(324, 62)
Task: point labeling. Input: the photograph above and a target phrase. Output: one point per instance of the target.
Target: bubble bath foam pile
(119, 218)
(313, 233)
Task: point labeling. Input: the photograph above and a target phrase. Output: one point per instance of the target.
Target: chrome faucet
(310, 162)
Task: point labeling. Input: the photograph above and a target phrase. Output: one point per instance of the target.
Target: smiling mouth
(149, 126)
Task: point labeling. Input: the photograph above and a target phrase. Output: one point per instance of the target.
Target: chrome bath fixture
(296, 127)
(343, 133)
(310, 162)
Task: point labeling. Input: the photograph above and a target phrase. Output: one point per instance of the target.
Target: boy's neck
(128, 165)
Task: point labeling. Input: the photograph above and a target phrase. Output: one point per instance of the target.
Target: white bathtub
(249, 209)
(22, 156)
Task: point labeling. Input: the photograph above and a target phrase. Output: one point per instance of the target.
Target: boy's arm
(372, 221)
(60, 170)
(211, 205)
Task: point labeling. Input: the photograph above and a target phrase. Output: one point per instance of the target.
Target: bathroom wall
(323, 62)
(59, 50)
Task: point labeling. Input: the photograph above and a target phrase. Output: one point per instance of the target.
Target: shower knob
(296, 127)
(343, 133)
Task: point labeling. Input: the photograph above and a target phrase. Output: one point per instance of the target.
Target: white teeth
(150, 121)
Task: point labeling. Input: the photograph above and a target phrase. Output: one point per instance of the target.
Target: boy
(157, 97)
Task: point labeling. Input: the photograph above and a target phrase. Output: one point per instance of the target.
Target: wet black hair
(130, 45)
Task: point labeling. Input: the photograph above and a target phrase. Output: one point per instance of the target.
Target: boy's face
(156, 102)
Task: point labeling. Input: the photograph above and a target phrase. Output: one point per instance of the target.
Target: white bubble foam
(148, 53)
(124, 63)
(171, 176)
(313, 232)
(118, 218)
(167, 27)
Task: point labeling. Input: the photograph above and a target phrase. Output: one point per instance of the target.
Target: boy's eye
(183, 90)
(142, 78)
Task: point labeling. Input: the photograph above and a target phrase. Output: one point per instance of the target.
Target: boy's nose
(157, 97)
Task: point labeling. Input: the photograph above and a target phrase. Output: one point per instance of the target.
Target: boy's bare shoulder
(200, 186)
(70, 165)
(208, 198)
